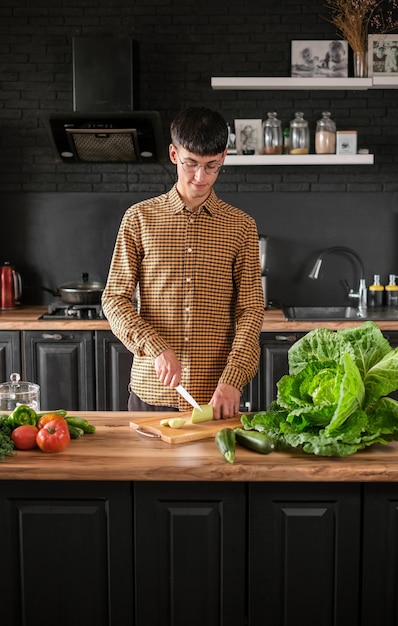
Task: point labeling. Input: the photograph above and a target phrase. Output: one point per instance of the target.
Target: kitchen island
(121, 529)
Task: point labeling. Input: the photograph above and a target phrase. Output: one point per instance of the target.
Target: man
(195, 260)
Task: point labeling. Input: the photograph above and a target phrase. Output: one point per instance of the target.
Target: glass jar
(325, 135)
(299, 135)
(272, 135)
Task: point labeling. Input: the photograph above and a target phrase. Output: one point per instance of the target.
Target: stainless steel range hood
(104, 126)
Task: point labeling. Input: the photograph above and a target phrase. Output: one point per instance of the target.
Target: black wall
(60, 220)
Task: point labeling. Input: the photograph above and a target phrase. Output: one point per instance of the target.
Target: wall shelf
(300, 159)
(260, 83)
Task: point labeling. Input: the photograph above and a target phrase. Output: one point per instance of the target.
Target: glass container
(325, 135)
(299, 135)
(273, 140)
(19, 392)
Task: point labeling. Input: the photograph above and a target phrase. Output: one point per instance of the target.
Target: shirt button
(189, 250)
(186, 338)
(187, 309)
(188, 280)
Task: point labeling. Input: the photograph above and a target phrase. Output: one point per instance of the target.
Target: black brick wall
(182, 44)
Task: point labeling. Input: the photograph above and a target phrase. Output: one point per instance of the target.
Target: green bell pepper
(21, 415)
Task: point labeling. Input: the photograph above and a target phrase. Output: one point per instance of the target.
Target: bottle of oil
(392, 291)
(376, 292)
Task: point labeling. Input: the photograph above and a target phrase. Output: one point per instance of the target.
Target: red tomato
(24, 437)
(53, 437)
(49, 417)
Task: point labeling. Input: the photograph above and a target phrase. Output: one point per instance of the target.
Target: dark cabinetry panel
(62, 363)
(68, 555)
(190, 546)
(304, 547)
(113, 365)
(380, 559)
(10, 354)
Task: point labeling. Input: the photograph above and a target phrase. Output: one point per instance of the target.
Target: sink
(308, 313)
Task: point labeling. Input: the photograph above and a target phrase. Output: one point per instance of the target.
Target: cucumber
(204, 415)
(225, 441)
(75, 432)
(176, 422)
(80, 422)
(173, 422)
(254, 440)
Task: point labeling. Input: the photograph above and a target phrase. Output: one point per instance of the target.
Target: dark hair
(199, 130)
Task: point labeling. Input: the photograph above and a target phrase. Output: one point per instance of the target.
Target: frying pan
(83, 292)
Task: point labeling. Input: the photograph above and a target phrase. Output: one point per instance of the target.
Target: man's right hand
(168, 368)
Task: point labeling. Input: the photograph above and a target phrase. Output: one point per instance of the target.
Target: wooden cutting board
(189, 432)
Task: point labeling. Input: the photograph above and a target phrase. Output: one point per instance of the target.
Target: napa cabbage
(335, 399)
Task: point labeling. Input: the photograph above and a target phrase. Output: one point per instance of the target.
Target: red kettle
(10, 287)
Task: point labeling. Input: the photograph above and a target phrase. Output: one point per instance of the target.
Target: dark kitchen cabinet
(62, 363)
(190, 550)
(10, 354)
(273, 364)
(380, 557)
(67, 558)
(304, 554)
(112, 365)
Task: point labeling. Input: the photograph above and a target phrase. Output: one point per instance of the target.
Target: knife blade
(184, 393)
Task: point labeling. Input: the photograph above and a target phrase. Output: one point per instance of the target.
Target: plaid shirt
(200, 294)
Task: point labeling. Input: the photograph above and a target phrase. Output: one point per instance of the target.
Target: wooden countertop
(27, 318)
(117, 452)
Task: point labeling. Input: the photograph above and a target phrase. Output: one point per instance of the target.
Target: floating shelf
(300, 159)
(259, 83)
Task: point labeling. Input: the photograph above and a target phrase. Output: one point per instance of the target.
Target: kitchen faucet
(359, 295)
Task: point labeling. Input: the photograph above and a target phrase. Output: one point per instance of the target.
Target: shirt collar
(177, 205)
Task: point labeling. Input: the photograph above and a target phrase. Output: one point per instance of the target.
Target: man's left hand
(225, 401)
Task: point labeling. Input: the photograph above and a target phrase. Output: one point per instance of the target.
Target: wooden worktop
(117, 453)
(27, 318)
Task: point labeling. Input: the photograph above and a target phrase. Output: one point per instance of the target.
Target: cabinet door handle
(53, 336)
(289, 338)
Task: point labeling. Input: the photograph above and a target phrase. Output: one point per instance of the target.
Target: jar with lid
(325, 135)
(299, 135)
(272, 135)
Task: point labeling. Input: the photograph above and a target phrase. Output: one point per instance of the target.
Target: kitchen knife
(184, 393)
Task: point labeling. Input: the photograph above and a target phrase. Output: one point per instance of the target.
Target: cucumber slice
(205, 415)
(176, 422)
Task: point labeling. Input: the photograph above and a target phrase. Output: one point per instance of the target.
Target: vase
(360, 64)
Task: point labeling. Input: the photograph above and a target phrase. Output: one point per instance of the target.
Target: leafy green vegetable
(334, 401)
(6, 443)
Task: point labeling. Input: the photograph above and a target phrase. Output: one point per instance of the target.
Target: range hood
(104, 126)
(107, 137)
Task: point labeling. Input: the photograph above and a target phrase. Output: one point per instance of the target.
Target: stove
(62, 311)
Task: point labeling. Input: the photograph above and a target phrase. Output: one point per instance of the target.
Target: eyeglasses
(190, 167)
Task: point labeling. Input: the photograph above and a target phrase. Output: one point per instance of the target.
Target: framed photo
(249, 136)
(325, 59)
(383, 55)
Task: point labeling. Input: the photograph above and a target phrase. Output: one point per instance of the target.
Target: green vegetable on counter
(21, 415)
(225, 442)
(81, 423)
(334, 401)
(254, 440)
(6, 443)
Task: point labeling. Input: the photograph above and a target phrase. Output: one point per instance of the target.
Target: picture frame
(249, 136)
(318, 58)
(383, 55)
